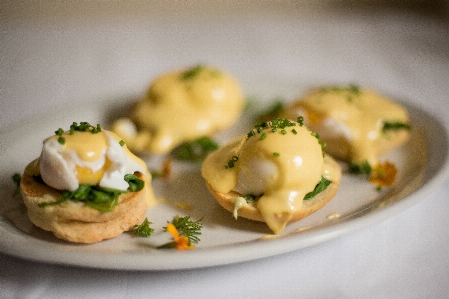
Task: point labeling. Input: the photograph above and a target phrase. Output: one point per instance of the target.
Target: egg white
(58, 166)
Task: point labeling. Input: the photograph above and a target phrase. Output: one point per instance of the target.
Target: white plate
(422, 164)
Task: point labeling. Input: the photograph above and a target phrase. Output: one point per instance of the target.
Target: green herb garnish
(101, 199)
(352, 90)
(122, 142)
(188, 228)
(273, 111)
(96, 197)
(85, 127)
(192, 72)
(135, 184)
(231, 162)
(195, 150)
(143, 229)
(59, 132)
(249, 198)
(360, 168)
(274, 124)
(82, 127)
(320, 187)
(388, 126)
(16, 178)
(276, 154)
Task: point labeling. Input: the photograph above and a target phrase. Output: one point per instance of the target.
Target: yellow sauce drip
(333, 215)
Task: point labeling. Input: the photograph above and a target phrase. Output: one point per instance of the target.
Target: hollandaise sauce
(181, 106)
(279, 162)
(88, 155)
(356, 118)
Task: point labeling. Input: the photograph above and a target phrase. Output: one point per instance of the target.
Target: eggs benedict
(276, 174)
(181, 106)
(357, 124)
(86, 185)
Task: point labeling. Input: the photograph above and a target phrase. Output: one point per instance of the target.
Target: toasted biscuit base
(76, 222)
(249, 210)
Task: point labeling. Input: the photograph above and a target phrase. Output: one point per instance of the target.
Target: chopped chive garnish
(274, 125)
(360, 168)
(249, 198)
(276, 154)
(82, 127)
(59, 132)
(231, 162)
(387, 126)
(17, 177)
(122, 142)
(61, 140)
(192, 72)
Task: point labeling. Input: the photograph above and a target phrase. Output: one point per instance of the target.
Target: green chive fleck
(249, 198)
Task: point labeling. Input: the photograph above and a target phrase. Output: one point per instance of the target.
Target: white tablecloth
(58, 54)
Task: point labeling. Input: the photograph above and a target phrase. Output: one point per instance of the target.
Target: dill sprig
(188, 228)
(143, 229)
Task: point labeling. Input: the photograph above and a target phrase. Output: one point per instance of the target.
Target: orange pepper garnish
(383, 175)
(182, 242)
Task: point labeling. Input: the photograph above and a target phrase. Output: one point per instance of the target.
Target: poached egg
(83, 157)
(278, 167)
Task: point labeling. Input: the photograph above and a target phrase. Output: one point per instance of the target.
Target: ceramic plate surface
(422, 165)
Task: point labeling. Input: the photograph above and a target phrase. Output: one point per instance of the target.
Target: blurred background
(55, 52)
